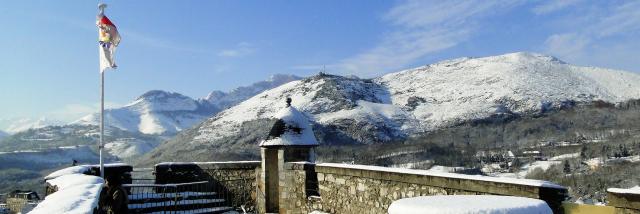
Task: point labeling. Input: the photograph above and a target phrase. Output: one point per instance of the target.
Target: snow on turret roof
(291, 129)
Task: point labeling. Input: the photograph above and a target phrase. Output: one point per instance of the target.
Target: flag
(108, 40)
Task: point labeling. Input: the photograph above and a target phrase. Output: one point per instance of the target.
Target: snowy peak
(430, 97)
(224, 100)
(155, 112)
(475, 88)
(160, 112)
(12, 126)
(157, 101)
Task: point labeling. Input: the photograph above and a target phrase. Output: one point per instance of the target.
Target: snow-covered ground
(469, 204)
(129, 147)
(529, 167)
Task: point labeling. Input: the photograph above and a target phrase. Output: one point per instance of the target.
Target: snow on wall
(632, 190)
(526, 182)
(76, 193)
(469, 204)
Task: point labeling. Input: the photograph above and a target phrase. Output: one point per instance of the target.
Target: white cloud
(242, 49)
(609, 30)
(422, 28)
(553, 5)
(566, 45)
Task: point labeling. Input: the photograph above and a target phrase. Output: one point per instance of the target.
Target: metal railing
(194, 197)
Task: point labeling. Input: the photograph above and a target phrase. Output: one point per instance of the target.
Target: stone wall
(372, 189)
(624, 202)
(305, 187)
(235, 180)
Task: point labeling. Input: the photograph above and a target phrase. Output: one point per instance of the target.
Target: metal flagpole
(101, 122)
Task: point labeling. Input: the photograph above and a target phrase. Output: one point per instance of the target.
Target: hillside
(396, 106)
(155, 112)
(3, 135)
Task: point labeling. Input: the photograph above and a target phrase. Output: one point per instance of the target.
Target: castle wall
(373, 189)
(304, 187)
(624, 202)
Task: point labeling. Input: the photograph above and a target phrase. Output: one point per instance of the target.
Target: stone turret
(291, 139)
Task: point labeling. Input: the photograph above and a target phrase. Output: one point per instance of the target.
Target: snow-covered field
(529, 167)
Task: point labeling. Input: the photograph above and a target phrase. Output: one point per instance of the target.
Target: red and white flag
(108, 39)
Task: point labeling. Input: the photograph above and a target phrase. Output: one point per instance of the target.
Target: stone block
(362, 187)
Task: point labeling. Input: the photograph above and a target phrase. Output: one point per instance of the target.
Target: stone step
(141, 198)
(211, 207)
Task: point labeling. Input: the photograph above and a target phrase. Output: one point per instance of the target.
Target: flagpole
(101, 122)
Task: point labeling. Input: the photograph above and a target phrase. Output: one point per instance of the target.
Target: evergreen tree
(583, 152)
(567, 167)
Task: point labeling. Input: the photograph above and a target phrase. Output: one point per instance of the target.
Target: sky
(49, 57)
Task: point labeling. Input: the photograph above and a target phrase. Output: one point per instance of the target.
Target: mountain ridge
(397, 105)
(159, 112)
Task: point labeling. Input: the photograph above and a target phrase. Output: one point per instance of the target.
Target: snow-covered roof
(69, 170)
(527, 182)
(77, 192)
(81, 169)
(632, 190)
(469, 204)
(291, 129)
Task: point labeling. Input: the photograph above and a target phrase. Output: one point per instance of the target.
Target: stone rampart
(624, 202)
(345, 188)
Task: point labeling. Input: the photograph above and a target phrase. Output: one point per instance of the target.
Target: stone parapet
(372, 189)
(624, 202)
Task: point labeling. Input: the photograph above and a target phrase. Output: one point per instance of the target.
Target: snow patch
(469, 204)
(527, 182)
(632, 190)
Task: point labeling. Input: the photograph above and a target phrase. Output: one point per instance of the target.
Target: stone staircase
(181, 202)
(197, 197)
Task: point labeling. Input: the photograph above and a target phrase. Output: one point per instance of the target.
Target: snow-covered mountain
(155, 112)
(3, 134)
(397, 105)
(16, 125)
(223, 100)
(166, 113)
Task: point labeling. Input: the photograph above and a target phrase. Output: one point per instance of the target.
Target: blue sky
(49, 63)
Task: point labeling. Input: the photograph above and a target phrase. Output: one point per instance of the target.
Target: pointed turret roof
(292, 128)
